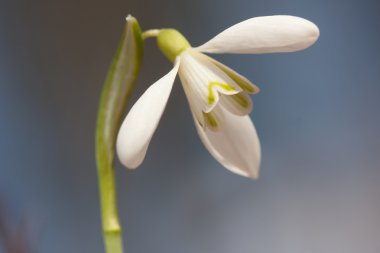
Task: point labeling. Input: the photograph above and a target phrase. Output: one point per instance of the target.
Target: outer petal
(270, 34)
(142, 120)
(236, 146)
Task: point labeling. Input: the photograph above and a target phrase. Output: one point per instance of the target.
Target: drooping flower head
(218, 96)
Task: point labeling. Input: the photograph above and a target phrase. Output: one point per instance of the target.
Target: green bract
(172, 43)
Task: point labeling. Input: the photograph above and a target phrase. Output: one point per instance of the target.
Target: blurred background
(317, 117)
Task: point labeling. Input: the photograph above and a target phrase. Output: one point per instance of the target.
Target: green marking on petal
(214, 120)
(211, 121)
(243, 82)
(211, 85)
(242, 100)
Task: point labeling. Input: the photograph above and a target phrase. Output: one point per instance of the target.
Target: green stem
(150, 33)
(110, 220)
(118, 86)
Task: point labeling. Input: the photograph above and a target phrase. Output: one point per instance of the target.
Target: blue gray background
(317, 117)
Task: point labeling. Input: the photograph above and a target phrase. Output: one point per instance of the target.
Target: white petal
(236, 146)
(239, 104)
(214, 120)
(142, 120)
(270, 34)
(203, 81)
(240, 80)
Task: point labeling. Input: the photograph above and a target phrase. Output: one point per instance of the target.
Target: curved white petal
(142, 120)
(239, 104)
(203, 80)
(240, 80)
(269, 34)
(236, 146)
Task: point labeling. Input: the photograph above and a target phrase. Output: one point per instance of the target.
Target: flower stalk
(150, 33)
(118, 86)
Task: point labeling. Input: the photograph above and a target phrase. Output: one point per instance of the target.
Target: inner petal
(214, 87)
(240, 80)
(195, 102)
(204, 80)
(214, 120)
(238, 104)
(206, 86)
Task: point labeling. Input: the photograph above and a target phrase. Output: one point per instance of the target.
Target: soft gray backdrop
(317, 117)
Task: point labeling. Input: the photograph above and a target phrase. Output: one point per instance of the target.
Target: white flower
(218, 96)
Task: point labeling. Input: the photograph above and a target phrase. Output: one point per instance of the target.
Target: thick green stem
(110, 220)
(118, 86)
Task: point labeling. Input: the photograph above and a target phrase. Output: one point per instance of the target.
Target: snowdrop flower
(218, 96)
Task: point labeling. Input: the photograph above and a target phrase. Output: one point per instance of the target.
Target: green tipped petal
(214, 120)
(240, 80)
(210, 87)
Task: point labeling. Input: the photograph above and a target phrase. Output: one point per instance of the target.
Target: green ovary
(172, 43)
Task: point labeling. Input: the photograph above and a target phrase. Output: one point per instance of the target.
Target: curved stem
(150, 33)
(121, 78)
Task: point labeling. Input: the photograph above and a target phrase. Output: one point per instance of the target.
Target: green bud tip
(172, 43)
